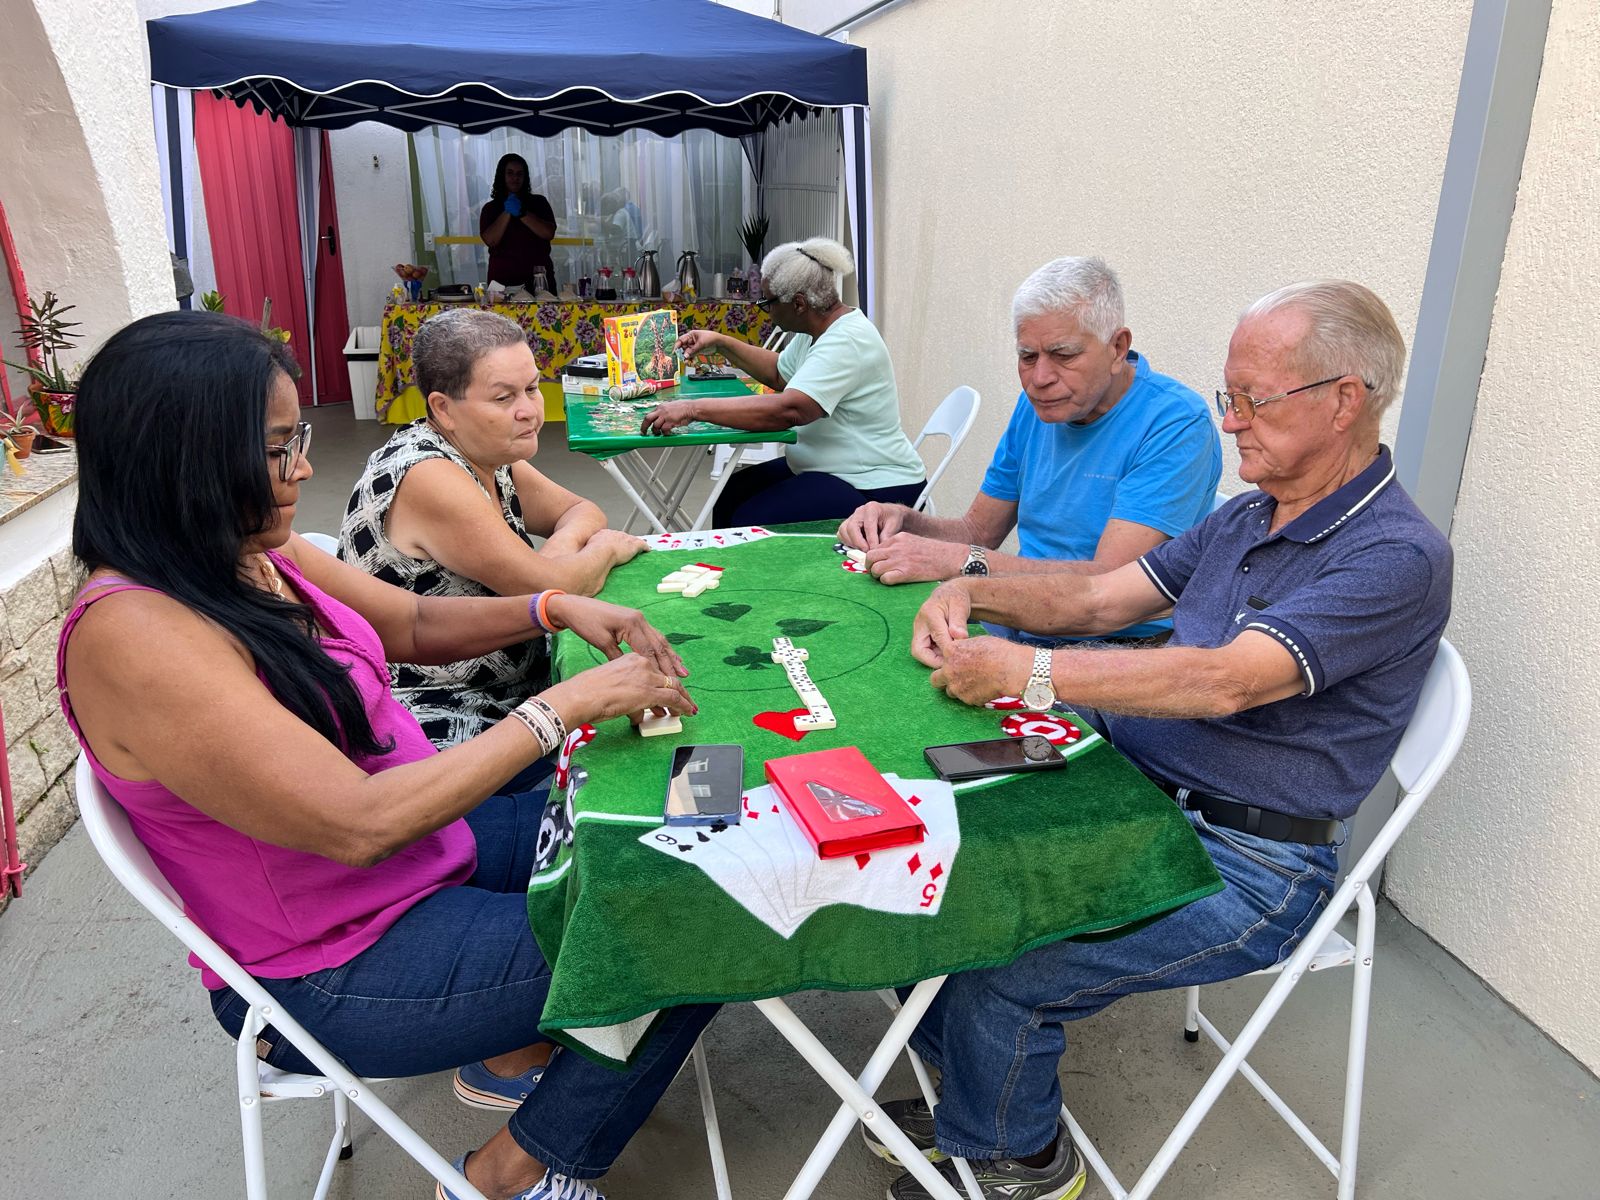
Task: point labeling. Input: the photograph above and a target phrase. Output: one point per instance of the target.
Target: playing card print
(767, 865)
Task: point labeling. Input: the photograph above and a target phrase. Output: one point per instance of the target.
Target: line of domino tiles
(792, 659)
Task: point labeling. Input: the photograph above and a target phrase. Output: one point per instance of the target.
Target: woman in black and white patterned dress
(448, 507)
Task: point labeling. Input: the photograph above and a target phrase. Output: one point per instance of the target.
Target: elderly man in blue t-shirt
(1102, 460)
(1305, 617)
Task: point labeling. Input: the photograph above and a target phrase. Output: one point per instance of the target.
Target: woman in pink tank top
(230, 687)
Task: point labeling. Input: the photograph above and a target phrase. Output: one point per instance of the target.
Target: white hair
(1352, 332)
(1084, 287)
(811, 268)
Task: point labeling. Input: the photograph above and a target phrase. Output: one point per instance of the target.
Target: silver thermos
(649, 277)
(688, 273)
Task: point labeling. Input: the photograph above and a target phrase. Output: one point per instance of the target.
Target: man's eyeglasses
(290, 452)
(1244, 405)
(765, 302)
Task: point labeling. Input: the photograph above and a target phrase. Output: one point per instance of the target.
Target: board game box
(841, 802)
(643, 347)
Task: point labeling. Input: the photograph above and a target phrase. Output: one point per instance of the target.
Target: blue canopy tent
(540, 66)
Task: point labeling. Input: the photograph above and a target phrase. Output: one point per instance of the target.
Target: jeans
(769, 493)
(997, 1034)
(458, 979)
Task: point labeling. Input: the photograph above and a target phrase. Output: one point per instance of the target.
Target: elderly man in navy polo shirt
(1305, 616)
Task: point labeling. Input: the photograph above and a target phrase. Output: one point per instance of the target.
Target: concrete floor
(116, 1081)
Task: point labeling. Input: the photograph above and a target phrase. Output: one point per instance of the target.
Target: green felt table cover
(591, 421)
(628, 930)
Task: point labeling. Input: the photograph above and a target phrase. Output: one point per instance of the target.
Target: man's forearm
(1010, 564)
(1054, 604)
(1165, 681)
(944, 529)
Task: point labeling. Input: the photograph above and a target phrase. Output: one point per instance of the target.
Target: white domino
(793, 660)
(652, 725)
(671, 585)
(859, 557)
(691, 580)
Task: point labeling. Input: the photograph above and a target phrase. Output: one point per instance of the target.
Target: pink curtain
(247, 172)
(332, 318)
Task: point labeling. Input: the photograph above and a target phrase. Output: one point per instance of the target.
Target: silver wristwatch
(977, 561)
(1040, 693)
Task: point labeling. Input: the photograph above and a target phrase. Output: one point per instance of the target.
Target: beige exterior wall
(1502, 865)
(1208, 152)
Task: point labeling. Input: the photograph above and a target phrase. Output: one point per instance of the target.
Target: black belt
(1262, 822)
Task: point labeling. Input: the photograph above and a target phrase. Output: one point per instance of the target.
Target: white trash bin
(361, 359)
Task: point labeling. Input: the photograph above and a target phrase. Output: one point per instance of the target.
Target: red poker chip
(850, 565)
(1006, 702)
(1058, 731)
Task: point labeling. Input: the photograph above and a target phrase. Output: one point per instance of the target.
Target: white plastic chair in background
(122, 852)
(323, 541)
(952, 419)
(1431, 741)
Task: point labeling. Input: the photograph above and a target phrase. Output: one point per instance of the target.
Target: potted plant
(16, 435)
(45, 333)
(753, 233)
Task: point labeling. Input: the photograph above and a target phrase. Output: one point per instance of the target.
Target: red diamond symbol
(914, 864)
(862, 860)
(938, 870)
(913, 800)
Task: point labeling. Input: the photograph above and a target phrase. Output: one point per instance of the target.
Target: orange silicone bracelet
(543, 615)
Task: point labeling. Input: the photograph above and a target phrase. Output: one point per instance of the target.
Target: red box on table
(841, 803)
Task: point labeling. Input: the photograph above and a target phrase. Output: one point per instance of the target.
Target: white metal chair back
(776, 339)
(322, 541)
(1432, 738)
(127, 859)
(952, 419)
(1219, 500)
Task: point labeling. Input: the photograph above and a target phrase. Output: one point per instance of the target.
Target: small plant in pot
(16, 435)
(45, 334)
(753, 233)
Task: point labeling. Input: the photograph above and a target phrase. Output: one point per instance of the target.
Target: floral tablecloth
(558, 332)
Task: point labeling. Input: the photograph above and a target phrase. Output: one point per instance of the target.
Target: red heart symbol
(781, 723)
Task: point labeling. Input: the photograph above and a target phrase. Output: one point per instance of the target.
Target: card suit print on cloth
(781, 723)
(726, 612)
(795, 627)
(752, 658)
(678, 639)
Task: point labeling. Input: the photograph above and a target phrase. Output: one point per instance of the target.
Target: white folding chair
(1430, 743)
(1219, 500)
(128, 860)
(258, 1083)
(323, 541)
(952, 419)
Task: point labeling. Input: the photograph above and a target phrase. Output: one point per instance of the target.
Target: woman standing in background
(517, 225)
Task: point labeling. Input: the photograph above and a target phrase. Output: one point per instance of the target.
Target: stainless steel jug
(688, 273)
(649, 277)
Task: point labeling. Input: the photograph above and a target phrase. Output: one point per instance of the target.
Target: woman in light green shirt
(833, 384)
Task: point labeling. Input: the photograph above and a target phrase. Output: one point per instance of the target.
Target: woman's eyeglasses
(290, 452)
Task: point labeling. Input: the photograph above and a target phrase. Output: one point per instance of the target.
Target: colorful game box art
(643, 347)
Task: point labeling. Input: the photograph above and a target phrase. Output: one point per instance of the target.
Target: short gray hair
(811, 268)
(1352, 332)
(1084, 287)
(447, 346)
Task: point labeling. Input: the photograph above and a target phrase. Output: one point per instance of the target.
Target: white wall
(1503, 865)
(80, 186)
(1208, 152)
(374, 213)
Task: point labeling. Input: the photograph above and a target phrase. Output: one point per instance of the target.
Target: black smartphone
(1002, 756)
(705, 786)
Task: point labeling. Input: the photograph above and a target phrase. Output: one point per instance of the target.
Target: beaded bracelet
(548, 735)
(551, 714)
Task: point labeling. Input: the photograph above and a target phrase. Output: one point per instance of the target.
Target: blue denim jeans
(998, 1036)
(458, 979)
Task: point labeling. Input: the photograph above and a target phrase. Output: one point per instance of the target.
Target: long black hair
(172, 479)
(498, 192)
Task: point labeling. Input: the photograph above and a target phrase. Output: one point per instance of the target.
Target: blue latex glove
(512, 204)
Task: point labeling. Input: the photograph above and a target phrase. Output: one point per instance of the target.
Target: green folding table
(608, 432)
(628, 930)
